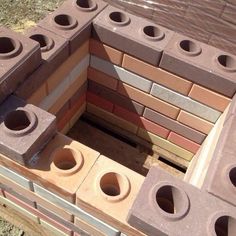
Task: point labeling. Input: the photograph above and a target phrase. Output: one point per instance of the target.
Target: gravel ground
(7, 229)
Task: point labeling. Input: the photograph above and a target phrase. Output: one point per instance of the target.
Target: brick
(37, 97)
(209, 98)
(173, 204)
(79, 93)
(185, 103)
(195, 122)
(72, 22)
(105, 52)
(174, 125)
(19, 57)
(63, 71)
(111, 118)
(77, 115)
(108, 230)
(121, 74)
(100, 102)
(54, 228)
(229, 13)
(2, 193)
(203, 64)
(114, 187)
(146, 44)
(157, 75)
(115, 98)
(102, 78)
(183, 142)
(19, 119)
(148, 100)
(165, 144)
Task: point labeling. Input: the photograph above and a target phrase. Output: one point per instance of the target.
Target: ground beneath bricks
(7, 229)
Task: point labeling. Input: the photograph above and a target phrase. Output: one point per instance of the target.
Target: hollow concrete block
(19, 57)
(166, 205)
(24, 129)
(201, 63)
(131, 34)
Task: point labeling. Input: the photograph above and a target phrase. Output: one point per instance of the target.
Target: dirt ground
(21, 14)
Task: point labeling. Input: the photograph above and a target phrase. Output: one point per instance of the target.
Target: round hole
(65, 21)
(19, 122)
(114, 186)
(190, 48)
(225, 226)
(9, 47)
(227, 62)
(232, 176)
(66, 160)
(86, 5)
(45, 42)
(153, 33)
(171, 201)
(119, 18)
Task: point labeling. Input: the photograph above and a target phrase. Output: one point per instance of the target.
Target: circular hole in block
(153, 33)
(19, 122)
(66, 160)
(114, 186)
(225, 226)
(119, 18)
(227, 62)
(171, 201)
(86, 5)
(189, 47)
(232, 176)
(9, 47)
(45, 42)
(65, 22)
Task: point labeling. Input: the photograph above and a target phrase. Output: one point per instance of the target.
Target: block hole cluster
(225, 226)
(65, 22)
(45, 42)
(9, 47)
(86, 5)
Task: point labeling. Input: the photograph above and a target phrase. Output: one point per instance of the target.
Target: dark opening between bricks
(45, 42)
(153, 32)
(86, 4)
(119, 17)
(227, 61)
(169, 199)
(111, 184)
(7, 45)
(190, 47)
(17, 120)
(232, 176)
(225, 226)
(64, 159)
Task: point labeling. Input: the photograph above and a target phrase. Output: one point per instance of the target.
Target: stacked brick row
(211, 22)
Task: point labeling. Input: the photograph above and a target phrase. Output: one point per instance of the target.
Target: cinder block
(72, 21)
(220, 179)
(108, 187)
(102, 78)
(133, 35)
(99, 101)
(148, 100)
(183, 142)
(174, 125)
(67, 161)
(209, 98)
(24, 129)
(120, 74)
(203, 64)
(195, 122)
(54, 50)
(105, 52)
(21, 210)
(111, 118)
(115, 98)
(14, 176)
(166, 205)
(157, 75)
(108, 230)
(185, 103)
(165, 144)
(63, 71)
(19, 57)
